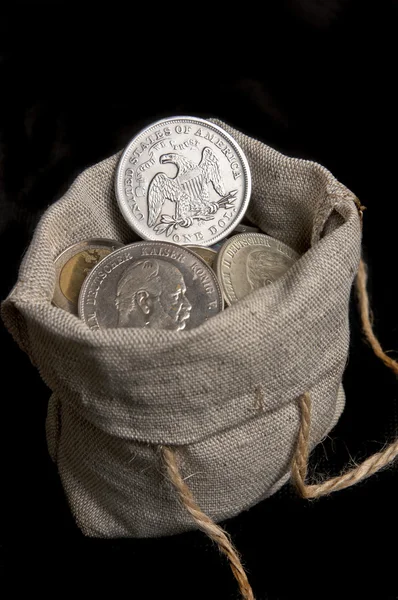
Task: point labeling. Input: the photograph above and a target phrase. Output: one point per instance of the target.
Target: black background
(313, 79)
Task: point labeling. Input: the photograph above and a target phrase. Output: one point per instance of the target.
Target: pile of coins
(183, 185)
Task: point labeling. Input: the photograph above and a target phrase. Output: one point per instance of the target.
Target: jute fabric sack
(223, 395)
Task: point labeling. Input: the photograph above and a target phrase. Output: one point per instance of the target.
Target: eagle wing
(161, 188)
(211, 170)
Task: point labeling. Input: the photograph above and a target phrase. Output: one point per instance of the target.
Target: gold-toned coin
(207, 254)
(72, 267)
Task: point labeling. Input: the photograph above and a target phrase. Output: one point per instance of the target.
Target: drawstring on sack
(364, 310)
(368, 467)
(206, 524)
(371, 465)
(299, 465)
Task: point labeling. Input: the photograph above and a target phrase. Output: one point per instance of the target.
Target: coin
(249, 261)
(184, 180)
(242, 228)
(207, 254)
(217, 247)
(73, 265)
(157, 285)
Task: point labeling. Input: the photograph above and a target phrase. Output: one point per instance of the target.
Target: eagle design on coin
(188, 190)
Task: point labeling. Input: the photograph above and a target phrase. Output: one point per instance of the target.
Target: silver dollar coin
(184, 180)
(157, 285)
(249, 261)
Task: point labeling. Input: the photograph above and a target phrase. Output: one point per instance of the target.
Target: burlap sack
(224, 393)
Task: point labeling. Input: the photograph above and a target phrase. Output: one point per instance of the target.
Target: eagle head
(184, 165)
(169, 158)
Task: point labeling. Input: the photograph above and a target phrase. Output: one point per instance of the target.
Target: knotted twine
(299, 466)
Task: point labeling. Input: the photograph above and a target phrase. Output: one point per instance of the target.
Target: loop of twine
(371, 465)
(299, 465)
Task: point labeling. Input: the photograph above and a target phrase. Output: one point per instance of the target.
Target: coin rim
(192, 248)
(150, 242)
(125, 209)
(59, 299)
(206, 247)
(220, 256)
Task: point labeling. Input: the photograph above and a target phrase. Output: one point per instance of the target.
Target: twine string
(365, 313)
(205, 523)
(371, 465)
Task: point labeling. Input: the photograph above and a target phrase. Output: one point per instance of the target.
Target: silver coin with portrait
(249, 261)
(154, 285)
(183, 180)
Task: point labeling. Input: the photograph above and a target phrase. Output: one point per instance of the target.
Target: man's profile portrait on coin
(263, 267)
(151, 293)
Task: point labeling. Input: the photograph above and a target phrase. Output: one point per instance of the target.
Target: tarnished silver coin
(72, 267)
(183, 180)
(243, 228)
(157, 285)
(217, 247)
(207, 254)
(249, 261)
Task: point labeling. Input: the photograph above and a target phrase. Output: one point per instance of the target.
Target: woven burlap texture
(224, 394)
